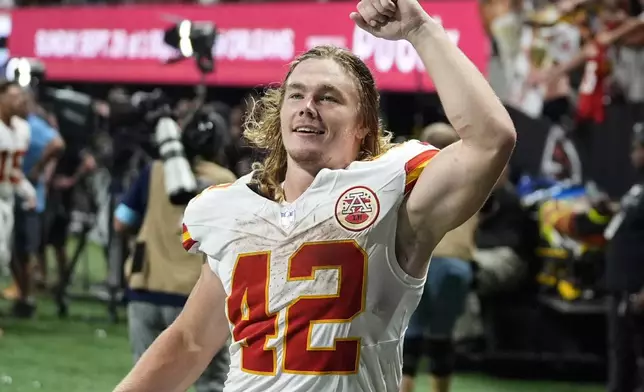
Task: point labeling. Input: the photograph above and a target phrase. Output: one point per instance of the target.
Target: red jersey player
(316, 260)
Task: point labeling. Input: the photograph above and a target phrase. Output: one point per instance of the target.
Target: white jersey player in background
(14, 142)
(316, 261)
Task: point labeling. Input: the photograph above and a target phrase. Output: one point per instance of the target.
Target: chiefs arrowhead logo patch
(357, 208)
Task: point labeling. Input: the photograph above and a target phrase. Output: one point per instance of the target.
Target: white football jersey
(14, 142)
(316, 299)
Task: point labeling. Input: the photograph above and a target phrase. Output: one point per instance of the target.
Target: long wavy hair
(262, 126)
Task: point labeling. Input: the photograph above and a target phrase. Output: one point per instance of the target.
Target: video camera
(204, 131)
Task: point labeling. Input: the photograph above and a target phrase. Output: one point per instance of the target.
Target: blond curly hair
(262, 126)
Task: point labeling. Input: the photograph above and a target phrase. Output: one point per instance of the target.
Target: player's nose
(309, 109)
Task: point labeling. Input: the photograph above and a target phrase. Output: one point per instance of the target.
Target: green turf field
(86, 354)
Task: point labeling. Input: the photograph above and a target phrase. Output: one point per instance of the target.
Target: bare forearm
(50, 168)
(169, 365)
(470, 104)
(51, 152)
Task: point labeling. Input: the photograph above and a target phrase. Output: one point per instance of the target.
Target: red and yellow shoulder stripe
(186, 239)
(415, 166)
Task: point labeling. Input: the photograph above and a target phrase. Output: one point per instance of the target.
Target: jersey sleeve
(189, 244)
(192, 229)
(198, 218)
(412, 157)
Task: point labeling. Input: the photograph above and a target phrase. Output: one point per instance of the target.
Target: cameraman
(159, 273)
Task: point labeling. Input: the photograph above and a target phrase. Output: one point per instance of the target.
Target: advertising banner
(255, 43)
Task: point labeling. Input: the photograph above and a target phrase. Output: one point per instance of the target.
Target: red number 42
(254, 324)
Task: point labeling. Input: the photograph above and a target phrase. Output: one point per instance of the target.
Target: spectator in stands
(625, 282)
(44, 148)
(594, 55)
(448, 283)
(160, 273)
(503, 23)
(629, 67)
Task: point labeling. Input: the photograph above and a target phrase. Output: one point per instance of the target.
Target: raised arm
(456, 182)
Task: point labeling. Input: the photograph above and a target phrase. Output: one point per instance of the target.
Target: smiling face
(324, 115)
(320, 115)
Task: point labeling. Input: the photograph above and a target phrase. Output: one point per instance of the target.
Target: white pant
(6, 231)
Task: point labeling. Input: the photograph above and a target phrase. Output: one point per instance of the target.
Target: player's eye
(328, 98)
(296, 96)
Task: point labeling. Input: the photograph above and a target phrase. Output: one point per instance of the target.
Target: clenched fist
(390, 19)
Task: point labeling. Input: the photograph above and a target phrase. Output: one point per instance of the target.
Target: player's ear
(362, 133)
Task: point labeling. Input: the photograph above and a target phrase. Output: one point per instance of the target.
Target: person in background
(501, 261)
(14, 142)
(629, 66)
(73, 166)
(448, 283)
(502, 22)
(44, 148)
(503, 249)
(625, 282)
(239, 152)
(160, 274)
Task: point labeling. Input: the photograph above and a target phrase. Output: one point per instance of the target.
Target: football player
(316, 260)
(14, 142)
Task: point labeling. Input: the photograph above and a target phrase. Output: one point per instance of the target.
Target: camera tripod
(87, 221)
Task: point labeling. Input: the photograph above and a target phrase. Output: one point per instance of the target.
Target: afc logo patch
(357, 208)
